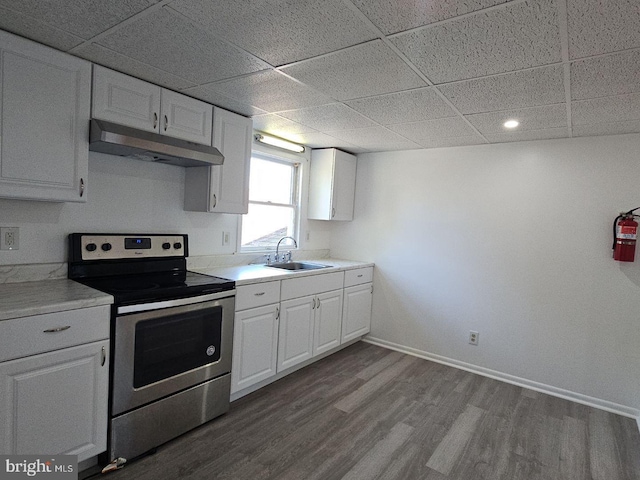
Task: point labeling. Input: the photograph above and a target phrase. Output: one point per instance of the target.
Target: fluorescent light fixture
(511, 124)
(279, 142)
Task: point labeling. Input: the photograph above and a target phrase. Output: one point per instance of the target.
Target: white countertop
(47, 296)
(248, 274)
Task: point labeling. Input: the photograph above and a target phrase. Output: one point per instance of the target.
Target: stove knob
(91, 247)
(166, 246)
(177, 245)
(106, 247)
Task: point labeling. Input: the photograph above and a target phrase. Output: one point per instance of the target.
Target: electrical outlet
(9, 238)
(473, 337)
(226, 236)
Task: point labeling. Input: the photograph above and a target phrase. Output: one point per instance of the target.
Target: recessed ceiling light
(511, 124)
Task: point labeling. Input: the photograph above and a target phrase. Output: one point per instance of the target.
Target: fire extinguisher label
(627, 233)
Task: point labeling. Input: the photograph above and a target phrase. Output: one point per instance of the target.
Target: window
(273, 203)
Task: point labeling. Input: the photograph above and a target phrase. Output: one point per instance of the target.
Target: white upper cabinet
(224, 188)
(332, 185)
(125, 100)
(44, 139)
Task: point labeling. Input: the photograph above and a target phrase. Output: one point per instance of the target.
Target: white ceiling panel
(430, 130)
(620, 108)
(518, 36)
(613, 128)
(523, 136)
(403, 107)
(36, 30)
(271, 91)
(108, 58)
(602, 26)
(533, 118)
(279, 31)
(328, 117)
(207, 95)
(529, 88)
(279, 126)
(366, 70)
(345, 72)
(84, 18)
(615, 74)
(173, 44)
(374, 138)
(393, 16)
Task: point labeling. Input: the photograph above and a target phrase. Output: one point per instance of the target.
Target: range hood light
(279, 142)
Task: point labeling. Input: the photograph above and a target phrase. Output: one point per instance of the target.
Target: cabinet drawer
(250, 296)
(358, 276)
(311, 285)
(26, 336)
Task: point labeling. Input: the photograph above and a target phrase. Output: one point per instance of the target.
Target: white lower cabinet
(356, 313)
(328, 322)
(255, 346)
(296, 332)
(55, 403)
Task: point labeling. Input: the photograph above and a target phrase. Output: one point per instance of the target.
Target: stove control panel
(116, 247)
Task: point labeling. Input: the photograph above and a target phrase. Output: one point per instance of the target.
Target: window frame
(296, 193)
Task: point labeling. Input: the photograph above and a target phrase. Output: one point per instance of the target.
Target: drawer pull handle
(104, 356)
(259, 294)
(360, 276)
(57, 329)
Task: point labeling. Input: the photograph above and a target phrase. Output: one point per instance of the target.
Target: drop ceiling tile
(35, 30)
(613, 128)
(544, 134)
(271, 91)
(279, 126)
(279, 31)
(322, 140)
(431, 130)
(328, 117)
(539, 86)
(392, 16)
(620, 108)
(111, 59)
(615, 74)
(602, 26)
(375, 139)
(403, 107)
(175, 45)
(84, 18)
(209, 96)
(518, 36)
(533, 118)
(362, 71)
(453, 142)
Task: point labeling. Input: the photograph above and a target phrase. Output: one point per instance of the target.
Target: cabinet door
(55, 403)
(255, 346)
(125, 100)
(328, 321)
(344, 184)
(230, 181)
(356, 313)
(295, 343)
(185, 117)
(44, 138)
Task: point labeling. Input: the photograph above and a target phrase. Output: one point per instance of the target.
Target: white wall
(513, 241)
(125, 196)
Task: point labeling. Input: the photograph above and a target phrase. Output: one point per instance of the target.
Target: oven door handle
(178, 302)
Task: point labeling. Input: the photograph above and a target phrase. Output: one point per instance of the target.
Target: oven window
(171, 345)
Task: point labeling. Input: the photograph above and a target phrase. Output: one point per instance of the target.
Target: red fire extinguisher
(625, 230)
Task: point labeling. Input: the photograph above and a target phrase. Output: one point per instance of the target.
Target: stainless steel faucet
(295, 244)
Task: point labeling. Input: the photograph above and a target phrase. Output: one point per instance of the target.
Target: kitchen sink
(298, 266)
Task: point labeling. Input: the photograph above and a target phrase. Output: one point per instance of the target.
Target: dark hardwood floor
(367, 412)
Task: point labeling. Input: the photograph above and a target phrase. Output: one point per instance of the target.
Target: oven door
(169, 348)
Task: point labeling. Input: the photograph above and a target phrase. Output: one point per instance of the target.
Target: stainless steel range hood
(107, 137)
